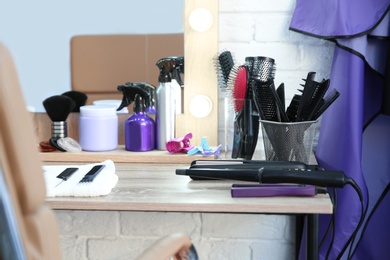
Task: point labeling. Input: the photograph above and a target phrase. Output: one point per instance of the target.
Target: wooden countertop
(156, 187)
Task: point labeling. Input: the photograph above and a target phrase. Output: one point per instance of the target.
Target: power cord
(352, 238)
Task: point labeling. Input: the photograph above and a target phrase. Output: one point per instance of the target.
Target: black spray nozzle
(171, 68)
(150, 90)
(139, 105)
(130, 92)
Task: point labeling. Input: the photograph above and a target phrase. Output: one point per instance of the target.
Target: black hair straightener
(264, 172)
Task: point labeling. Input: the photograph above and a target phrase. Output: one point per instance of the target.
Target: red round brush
(239, 88)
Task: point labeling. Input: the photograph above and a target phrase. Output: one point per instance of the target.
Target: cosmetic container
(169, 102)
(98, 128)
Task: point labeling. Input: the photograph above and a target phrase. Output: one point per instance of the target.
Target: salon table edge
(156, 187)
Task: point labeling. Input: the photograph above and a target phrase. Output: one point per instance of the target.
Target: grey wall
(38, 34)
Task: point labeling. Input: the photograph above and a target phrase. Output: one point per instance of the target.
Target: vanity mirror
(200, 114)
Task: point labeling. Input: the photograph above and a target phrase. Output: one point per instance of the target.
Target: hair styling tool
(323, 178)
(91, 175)
(223, 63)
(252, 164)
(66, 174)
(261, 69)
(238, 80)
(58, 108)
(327, 101)
(249, 164)
(281, 94)
(292, 109)
(79, 98)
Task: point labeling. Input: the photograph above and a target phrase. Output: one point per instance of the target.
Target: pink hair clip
(180, 144)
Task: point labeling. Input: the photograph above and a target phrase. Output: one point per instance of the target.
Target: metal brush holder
(59, 129)
(288, 141)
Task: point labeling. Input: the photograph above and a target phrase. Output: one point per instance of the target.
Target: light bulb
(200, 19)
(201, 106)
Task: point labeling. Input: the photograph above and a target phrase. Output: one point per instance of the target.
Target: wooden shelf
(120, 155)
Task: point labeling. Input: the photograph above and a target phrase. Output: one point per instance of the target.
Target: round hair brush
(79, 98)
(58, 108)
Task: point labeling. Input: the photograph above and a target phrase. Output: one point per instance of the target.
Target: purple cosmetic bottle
(139, 128)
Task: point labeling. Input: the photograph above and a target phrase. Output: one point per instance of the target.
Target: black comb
(91, 175)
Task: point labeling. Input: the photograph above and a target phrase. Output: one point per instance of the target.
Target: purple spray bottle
(139, 128)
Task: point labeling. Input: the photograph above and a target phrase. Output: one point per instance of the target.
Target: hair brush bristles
(239, 90)
(226, 63)
(79, 98)
(223, 63)
(261, 68)
(58, 107)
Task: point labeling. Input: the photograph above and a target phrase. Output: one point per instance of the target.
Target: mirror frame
(200, 50)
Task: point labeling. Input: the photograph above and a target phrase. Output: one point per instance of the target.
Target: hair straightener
(265, 172)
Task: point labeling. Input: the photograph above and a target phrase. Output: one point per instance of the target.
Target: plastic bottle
(168, 99)
(139, 128)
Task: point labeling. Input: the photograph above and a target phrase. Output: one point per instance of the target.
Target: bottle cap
(111, 102)
(97, 111)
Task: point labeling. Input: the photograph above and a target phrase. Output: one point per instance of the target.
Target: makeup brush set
(256, 99)
(58, 108)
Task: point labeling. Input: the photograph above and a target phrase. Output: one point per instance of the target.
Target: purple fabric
(357, 65)
(334, 18)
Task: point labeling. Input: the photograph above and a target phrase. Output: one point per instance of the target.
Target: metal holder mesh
(288, 141)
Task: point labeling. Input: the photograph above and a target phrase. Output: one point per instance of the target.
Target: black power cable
(351, 239)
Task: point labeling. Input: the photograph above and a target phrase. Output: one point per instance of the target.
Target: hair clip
(180, 144)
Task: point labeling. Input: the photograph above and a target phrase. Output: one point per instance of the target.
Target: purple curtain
(354, 134)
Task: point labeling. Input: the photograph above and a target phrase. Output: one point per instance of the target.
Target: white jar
(98, 128)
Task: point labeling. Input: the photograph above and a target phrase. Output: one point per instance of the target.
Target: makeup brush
(79, 98)
(58, 108)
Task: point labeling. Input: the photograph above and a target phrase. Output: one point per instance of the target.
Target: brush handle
(59, 129)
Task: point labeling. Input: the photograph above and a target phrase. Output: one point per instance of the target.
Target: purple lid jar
(98, 128)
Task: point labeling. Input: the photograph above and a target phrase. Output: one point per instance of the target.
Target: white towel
(102, 185)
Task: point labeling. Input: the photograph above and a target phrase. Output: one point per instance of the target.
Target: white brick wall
(261, 28)
(124, 235)
(247, 28)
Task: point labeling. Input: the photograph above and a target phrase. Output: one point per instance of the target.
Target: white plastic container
(98, 128)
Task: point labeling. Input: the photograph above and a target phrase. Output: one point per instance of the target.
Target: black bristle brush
(79, 98)
(58, 108)
(224, 63)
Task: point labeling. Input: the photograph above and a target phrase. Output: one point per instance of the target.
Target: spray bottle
(168, 98)
(139, 128)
